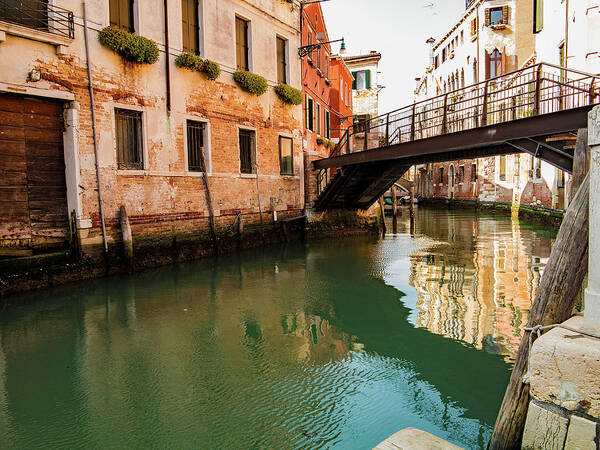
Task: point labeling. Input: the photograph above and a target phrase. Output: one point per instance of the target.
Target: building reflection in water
(476, 277)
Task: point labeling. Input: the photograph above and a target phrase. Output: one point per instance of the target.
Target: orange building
(340, 96)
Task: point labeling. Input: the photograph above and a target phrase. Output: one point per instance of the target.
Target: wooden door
(33, 203)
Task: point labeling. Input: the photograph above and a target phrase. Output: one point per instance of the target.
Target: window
(241, 43)
(286, 155)
(362, 80)
(436, 61)
(247, 151)
(503, 168)
(441, 175)
(495, 16)
(309, 43)
(189, 20)
(310, 118)
(495, 64)
(319, 119)
(327, 125)
(462, 37)
(195, 146)
(538, 15)
(474, 173)
(360, 123)
(461, 174)
(281, 60)
(342, 91)
(121, 14)
(128, 135)
(443, 55)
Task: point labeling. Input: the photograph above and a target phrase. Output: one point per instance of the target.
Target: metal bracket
(306, 50)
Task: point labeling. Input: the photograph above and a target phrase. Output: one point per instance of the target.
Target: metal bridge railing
(531, 91)
(38, 15)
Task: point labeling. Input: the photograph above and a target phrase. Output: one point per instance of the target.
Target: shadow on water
(300, 346)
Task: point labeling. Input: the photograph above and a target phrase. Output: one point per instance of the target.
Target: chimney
(343, 48)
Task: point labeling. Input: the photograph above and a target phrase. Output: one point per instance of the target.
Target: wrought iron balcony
(38, 15)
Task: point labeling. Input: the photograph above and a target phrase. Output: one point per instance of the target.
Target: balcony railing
(38, 15)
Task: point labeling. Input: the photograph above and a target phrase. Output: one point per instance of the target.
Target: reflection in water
(298, 347)
(476, 277)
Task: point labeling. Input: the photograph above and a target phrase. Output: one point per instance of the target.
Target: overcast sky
(396, 28)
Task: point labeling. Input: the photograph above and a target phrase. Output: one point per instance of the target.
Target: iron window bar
(38, 15)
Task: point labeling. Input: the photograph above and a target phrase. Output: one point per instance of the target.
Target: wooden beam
(554, 302)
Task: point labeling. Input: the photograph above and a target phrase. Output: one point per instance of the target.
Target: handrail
(39, 15)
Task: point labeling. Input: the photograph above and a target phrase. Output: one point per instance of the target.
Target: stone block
(581, 434)
(411, 438)
(564, 369)
(544, 429)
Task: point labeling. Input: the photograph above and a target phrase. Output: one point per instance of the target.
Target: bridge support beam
(592, 293)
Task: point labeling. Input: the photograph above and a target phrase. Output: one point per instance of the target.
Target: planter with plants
(289, 94)
(250, 82)
(325, 142)
(130, 46)
(193, 62)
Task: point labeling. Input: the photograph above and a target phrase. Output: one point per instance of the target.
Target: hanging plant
(130, 46)
(193, 62)
(325, 142)
(250, 82)
(289, 94)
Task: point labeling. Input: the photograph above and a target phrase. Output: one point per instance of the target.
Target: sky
(398, 30)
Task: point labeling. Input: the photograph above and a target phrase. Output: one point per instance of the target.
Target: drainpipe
(566, 34)
(168, 58)
(93, 108)
(477, 39)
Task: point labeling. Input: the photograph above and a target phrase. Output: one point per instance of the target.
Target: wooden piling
(581, 161)
(412, 195)
(127, 237)
(556, 296)
(382, 213)
(394, 210)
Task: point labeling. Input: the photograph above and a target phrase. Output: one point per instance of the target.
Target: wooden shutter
(487, 65)
(539, 16)
(281, 62)
(503, 62)
(241, 38)
(488, 17)
(189, 19)
(505, 15)
(368, 79)
(354, 80)
(121, 14)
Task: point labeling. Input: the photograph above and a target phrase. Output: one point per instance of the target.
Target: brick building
(154, 121)
(322, 74)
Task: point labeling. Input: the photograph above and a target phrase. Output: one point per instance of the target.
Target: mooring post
(394, 210)
(591, 318)
(127, 237)
(382, 212)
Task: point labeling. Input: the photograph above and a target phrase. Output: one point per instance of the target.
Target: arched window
(495, 63)
(475, 76)
(462, 78)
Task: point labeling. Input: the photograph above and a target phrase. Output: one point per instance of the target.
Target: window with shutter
(368, 78)
(319, 119)
(128, 137)
(310, 115)
(121, 14)
(281, 61)
(538, 15)
(505, 15)
(494, 16)
(195, 146)
(354, 75)
(473, 27)
(488, 17)
(190, 29)
(241, 40)
(286, 155)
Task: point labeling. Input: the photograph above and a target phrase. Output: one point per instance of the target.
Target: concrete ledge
(413, 439)
(565, 370)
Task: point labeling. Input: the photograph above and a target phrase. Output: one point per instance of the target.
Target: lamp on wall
(34, 75)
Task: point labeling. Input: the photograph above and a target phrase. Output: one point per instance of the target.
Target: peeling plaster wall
(164, 196)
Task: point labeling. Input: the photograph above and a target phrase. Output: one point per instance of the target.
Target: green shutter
(368, 73)
(539, 16)
(354, 81)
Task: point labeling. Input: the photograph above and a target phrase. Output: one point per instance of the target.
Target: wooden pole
(382, 212)
(208, 197)
(394, 210)
(581, 162)
(556, 296)
(412, 193)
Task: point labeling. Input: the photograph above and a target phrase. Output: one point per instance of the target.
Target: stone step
(413, 439)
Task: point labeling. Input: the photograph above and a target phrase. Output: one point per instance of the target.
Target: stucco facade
(163, 195)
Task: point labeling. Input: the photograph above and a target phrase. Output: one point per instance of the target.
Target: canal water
(334, 344)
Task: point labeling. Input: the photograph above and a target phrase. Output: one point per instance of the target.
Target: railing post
(592, 91)
(387, 130)
(538, 89)
(412, 125)
(485, 105)
(445, 115)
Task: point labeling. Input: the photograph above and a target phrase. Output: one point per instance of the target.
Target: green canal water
(334, 344)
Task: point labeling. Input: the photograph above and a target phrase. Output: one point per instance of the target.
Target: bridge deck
(517, 112)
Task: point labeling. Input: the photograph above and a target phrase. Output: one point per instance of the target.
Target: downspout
(93, 108)
(477, 39)
(566, 34)
(167, 58)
